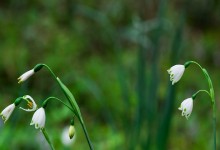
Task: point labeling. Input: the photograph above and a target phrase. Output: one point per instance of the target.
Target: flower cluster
(176, 73)
(6, 113)
(39, 117)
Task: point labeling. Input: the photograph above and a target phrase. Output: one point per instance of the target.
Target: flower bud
(71, 131)
(25, 76)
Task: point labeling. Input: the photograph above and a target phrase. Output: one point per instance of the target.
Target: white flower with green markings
(25, 76)
(6, 113)
(30, 102)
(29, 73)
(176, 72)
(39, 118)
(186, 107)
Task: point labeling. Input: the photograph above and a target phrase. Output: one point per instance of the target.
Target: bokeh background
(114, 56)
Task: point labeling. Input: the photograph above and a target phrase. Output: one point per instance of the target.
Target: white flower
(186, 107)
(176, 73)
(25, 76)
(6, 113)
(65, 137)
(31, 103)
(39, 118)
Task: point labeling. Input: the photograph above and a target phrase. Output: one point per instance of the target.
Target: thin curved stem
(212, 95)
(75, 113)
(49, 98)
(208, 79)
(194, 95)
(55, 77)
(194, 62)
(50, 71)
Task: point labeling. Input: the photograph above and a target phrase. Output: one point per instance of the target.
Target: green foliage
(113, 56)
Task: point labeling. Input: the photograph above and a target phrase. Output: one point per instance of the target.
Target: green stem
(212, 95)
(86, 133)
(55, 77)
(47, 138)
(49, 98)
(74, 109)
(194, 95)
(50, 71)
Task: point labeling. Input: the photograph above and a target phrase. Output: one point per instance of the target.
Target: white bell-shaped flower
(25, 76)
(176, 73)
(6, 113)
(30, 102)
(186, 107)
(39, 118)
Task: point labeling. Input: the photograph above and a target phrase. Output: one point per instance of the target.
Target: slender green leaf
(71, 98)
(47, 138)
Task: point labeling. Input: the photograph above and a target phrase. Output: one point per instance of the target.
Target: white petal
(34, 105)
(6, 113)
(25, 76)
(186, 107)
(176, 73)
(39, 118)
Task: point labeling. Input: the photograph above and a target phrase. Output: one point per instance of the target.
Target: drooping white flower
(176, 73)
(39, 118)
(25, 76)
(6, 113)
(65, 137)
(30, 102)
(186, 107)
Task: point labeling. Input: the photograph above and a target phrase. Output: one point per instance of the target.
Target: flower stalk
(39, 117)
(73, 105)
(212, 95)
(176, 73)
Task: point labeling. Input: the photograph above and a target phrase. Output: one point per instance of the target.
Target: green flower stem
(55, 98)
(50, 70)
(81, 121)
(47, 138)
(55, 77)
(86, 133)
(194, 95)
(73, 104)
(212, 95)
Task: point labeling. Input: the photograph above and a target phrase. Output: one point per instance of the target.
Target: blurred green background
(114, 56)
